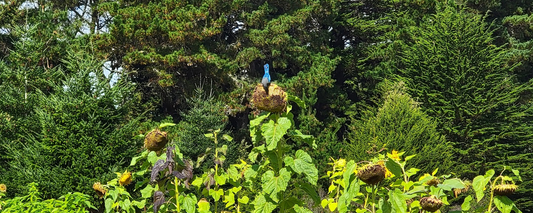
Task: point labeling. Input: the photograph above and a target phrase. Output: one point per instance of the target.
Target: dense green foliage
(32, 202)
(466, 82)
(79, 79)
(400, 124)
(205, 114)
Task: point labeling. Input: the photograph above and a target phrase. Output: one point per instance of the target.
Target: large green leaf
(203, 206)
(274, 131)
(304, 164)
(135, 159)
(394, 168)
(147, 191)
(261, 205)
(108, 205)
(255, 133)
(189, 203)
(349, 173)
(503, 203)
(466, 203)
(272, 184)
(480, 182)
(479, 187)
(397, 199)
(450, 184)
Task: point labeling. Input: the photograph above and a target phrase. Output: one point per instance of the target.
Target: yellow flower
(340, 164)
(3, 187)
(125, 178)
(394, 155)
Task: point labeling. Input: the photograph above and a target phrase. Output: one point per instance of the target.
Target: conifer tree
(399, 124)
(465, 81)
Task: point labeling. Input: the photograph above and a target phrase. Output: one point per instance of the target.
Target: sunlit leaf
(296, 100)
(299, 209)
(503, 203)
(147, 191)
(394, 167)
(466, 203)
(261, 205)
(479, 187)
(450, 184)
(189, 203)
(163, 125)
(304, 164)
(397, 200)
(274, 131)
(272, 184)
(203, 205)
(243, 199)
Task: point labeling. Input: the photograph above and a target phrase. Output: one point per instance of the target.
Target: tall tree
(468, 84)
(62, 123)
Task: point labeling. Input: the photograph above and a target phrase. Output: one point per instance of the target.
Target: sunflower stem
(176, 183)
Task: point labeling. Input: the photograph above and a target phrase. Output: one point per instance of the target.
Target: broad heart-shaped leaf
(142, 156)
(203, 205)
(255, 133)
(479, 183)
(274, 131)
(139, 204)
(303, 164)
(216, 194)
(272, 184)
(478, 186)
(503, 203)
(394, 167)
(450, 184)
(147, 191)
(466, 203)
(108, 205)
(397, 199)
(262, 205)
(244, 199)
(189, 203)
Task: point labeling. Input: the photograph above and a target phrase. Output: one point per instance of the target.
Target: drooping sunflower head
(155, 140)
(125, 178)
(430, 204)
(372, 174)
(388, 173)
(273, 101)
(3, 187)
(504, 189)
(99, 189)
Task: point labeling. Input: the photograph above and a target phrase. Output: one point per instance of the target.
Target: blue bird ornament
(266, 78)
